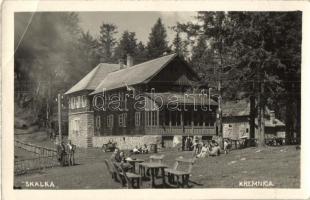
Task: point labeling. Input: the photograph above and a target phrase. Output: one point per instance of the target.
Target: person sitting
(214, 150)
(120, 160)
(136, 150)
(145, 149)
(204, 151)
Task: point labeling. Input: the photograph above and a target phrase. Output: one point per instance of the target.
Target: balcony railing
(179, 130)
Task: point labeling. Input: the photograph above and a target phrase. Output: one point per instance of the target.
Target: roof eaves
(93, 72)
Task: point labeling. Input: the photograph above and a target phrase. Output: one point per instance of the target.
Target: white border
(9, 7)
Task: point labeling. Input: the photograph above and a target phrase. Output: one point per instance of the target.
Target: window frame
(110, 121)
(137, 119)
(75, 123)
(98, 122)
(122, 120)
(84, 101)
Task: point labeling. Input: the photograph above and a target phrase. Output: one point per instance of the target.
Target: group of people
(65, 153)
(209, 149)
(141, 150)
(212, 148)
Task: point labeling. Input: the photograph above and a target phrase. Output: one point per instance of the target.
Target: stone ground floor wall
(128, 142)
(83, 132)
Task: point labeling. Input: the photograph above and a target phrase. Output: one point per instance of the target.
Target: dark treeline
(247, 54)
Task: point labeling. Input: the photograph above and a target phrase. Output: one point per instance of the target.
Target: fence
(42, 151)
(27, 165)
(46, 158)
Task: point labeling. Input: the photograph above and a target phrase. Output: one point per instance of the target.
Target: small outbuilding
(236, 121)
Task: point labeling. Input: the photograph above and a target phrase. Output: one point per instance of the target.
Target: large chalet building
(154, 102)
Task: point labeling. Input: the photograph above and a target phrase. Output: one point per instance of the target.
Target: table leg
(178, 181)
(133, 167)
(163, 174)
(142, 171)
(153, 176)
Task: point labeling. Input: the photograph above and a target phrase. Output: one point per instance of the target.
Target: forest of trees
(255, 55)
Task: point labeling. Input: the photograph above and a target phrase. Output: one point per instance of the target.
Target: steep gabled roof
(94, 77)
(268, 123)
(236, 108)
(242, 108)
(134, 75)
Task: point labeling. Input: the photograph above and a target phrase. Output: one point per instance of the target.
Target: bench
(180, 171)
(131, 180)
(110, 169)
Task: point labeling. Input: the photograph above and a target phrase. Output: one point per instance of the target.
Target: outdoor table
(133, 162)
(153, 168)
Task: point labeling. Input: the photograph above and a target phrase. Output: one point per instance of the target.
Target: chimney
(121, 64)
(272, 116)
(129, 60)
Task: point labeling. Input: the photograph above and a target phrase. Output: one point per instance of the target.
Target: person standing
(70, 152)
(227, 146)
(61, 152)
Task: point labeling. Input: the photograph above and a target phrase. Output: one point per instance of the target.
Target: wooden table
(153, 167)
(133, 162)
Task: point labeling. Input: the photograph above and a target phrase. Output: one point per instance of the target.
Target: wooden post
(59, 117)
(157, 118)
(192, 121)
(170, 120)
(151, 120)
(181, 119)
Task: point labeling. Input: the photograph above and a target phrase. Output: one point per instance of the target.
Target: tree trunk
(298, 115)
(252, 117)
(289, 121)
(260, 110)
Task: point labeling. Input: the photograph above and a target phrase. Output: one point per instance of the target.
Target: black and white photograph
(157, 100)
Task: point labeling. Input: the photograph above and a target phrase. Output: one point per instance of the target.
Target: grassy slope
(281, 165)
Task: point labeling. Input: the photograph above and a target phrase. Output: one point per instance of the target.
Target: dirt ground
(280, 166)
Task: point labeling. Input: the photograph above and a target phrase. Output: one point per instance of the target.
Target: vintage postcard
(132, 99)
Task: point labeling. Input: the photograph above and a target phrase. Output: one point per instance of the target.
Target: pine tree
(157, 44)
(127, 45)
(141, 54)
(87, 51)
(107, 41)
(180, 46)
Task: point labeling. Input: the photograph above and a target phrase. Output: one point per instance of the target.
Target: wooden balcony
(178, 130)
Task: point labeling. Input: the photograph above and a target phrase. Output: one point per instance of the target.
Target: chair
(181, 171)
(157, 158)
(131, 180)
(110, 169)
